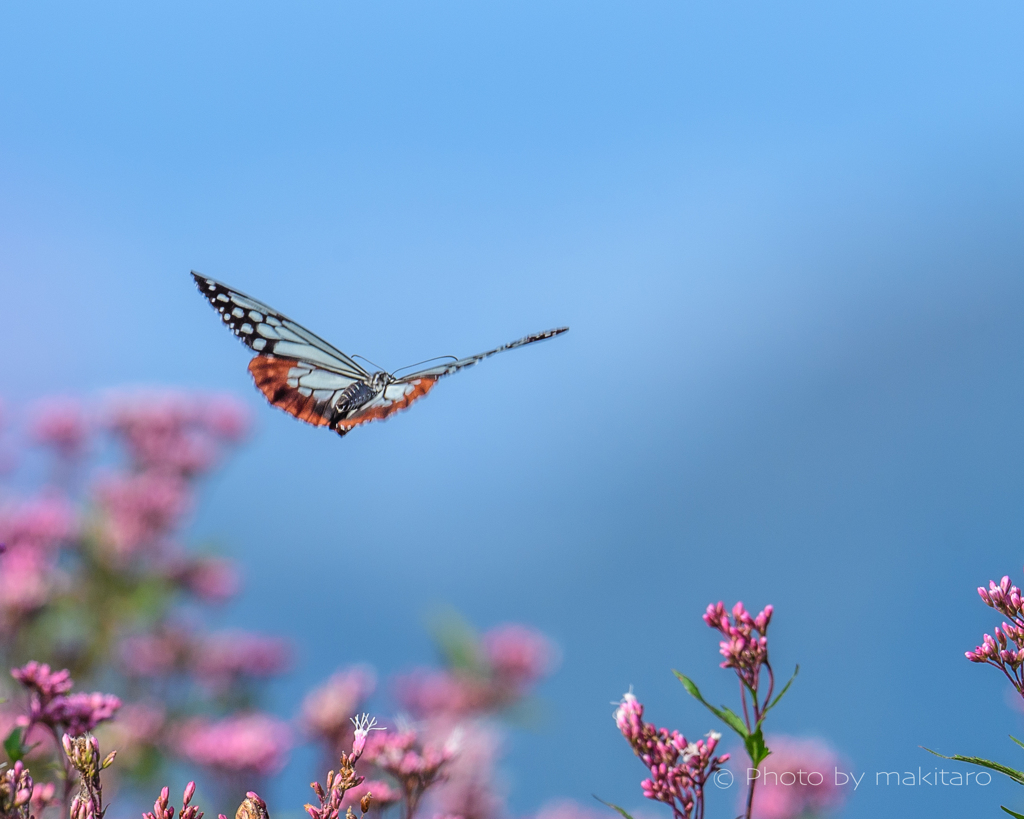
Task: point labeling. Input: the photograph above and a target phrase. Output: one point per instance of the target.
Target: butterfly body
(305, 376)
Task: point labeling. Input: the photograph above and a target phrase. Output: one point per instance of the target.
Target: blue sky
(786, 237)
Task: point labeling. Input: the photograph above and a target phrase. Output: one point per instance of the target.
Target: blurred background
(787, 238)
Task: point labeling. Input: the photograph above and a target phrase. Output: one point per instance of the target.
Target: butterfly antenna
(369, 362)
(427, 361)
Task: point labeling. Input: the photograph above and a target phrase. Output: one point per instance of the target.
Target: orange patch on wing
(420, 387)
(271, 376)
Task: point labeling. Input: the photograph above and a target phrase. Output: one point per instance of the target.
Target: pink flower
(218, 659)
(141, 510)
(796, 780)
(62, 424)
(517, 655)
(50, 702)
(326, 710)
(746, 645)
(679, 769)
(252, 742)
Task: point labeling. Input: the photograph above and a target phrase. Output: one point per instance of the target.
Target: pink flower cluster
(1005, 651)
(513, 658)
(679, 769)
(796, 780)
(33, 532)
(141, 510)
(746, 645)
(16, 791)
(414, 764)
(251, 742)
(51, 704)
(175, 433)
(219, 659)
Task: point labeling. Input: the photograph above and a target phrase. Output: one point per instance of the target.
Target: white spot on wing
(238, 312)
(267, 331)
(256, 315)
(222, 297)
(246, 328)
(323, 380)
(259, 344)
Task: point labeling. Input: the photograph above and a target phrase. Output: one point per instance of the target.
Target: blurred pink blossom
(158, 654)
(138, 725)
(213, 579)
(326, 711)
(62, 424)
(218, 659)
(796, 780)
(175, 433)
(568, 809)
(430, 693)
(252, 742)
(42, 523)
(25, 583)
(141, 510)
(471, 788)
(518, 655)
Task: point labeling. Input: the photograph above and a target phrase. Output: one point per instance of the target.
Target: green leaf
(756, 749)
(1015, 775)
(724, 714)
(13, 745)
(785, 688)
(1012, 813)
(616, 808)
(1017, 740)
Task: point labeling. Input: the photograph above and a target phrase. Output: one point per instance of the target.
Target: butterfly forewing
(267, 332)
(453, 367)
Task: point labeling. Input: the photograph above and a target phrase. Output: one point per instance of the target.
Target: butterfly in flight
(302, 374)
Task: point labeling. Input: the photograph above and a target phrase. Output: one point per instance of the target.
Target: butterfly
(302, 374)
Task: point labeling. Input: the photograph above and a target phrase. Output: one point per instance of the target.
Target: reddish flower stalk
(83, 752)
(1006, 650)
(331, 797)
(746, 652)
(679, 769)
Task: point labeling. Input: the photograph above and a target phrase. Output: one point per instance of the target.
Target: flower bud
(364, 803)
